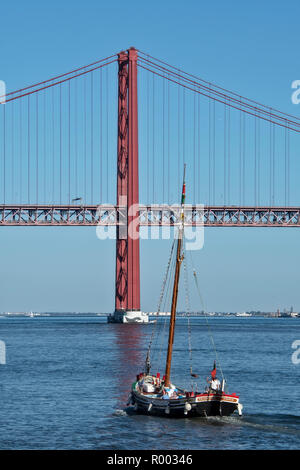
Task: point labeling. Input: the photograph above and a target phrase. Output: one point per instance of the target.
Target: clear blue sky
(248, 47)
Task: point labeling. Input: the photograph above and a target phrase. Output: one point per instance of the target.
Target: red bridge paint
(127, 288)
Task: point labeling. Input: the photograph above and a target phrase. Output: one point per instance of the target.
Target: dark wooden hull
(200, 405)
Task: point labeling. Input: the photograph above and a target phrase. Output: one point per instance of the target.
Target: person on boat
(169, 392)
(214, 383)
(158, 385)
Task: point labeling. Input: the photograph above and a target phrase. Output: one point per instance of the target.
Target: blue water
(66, 381)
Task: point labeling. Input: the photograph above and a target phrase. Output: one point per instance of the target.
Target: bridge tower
(127, 286)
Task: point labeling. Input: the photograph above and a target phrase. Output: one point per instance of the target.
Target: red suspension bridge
(58, 143)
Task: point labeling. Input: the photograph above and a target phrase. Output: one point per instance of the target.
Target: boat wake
(120, 413)
(279, 423)
(287, 424)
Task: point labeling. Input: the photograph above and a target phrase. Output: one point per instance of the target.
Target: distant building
(290, 314)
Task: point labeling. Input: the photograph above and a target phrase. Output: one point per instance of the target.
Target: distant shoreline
(179, 314)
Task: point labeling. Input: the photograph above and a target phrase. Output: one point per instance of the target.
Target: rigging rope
(207, 322)
(188, 311)
(167, 301)
(161, 295)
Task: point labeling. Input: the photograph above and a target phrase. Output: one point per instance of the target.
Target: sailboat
(150, 394)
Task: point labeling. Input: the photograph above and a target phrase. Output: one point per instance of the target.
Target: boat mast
(179, 258)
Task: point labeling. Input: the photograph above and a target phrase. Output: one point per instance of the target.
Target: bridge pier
(127, 286)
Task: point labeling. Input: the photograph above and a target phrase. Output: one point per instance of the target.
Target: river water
(66, 381)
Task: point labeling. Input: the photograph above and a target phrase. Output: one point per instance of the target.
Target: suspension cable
(209, 84)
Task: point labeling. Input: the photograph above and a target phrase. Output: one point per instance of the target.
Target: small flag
(214, 371)
(183, 194)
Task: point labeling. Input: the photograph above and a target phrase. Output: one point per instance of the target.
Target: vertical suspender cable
(288, 161)
(199, 153)
(229, 156)
(183, 129)
(4, 152)
(107, 121)
(169, 126)
(194, 151)
(12, 151)
(274, 156)
(53, 146)
(255, 161)
(101, 136)
(178, 132)
(270, 160)
(20, 149)
(28, 149)
(225, 149)
(244, 159)
(37, 148)
(163, 144)
(258, 161)
(92, 138)
(153, 140)
(60, 145)
(45, 148)
(214, 154)
(69, 142)
(76, 137)
(285, 166)
(85, 126)
(209, 150)
(240, 158)
(148, 132)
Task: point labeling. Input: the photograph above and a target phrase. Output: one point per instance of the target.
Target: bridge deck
(154, 215)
